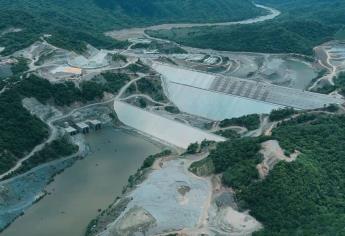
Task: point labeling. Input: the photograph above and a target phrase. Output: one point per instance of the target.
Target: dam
(219, 97)
(161, 128)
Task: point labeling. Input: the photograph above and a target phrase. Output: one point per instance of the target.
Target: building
(83, 128)
(71, 131)
(95, 124)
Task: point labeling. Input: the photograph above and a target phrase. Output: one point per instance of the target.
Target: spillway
(162, 128)
(214, 106)
(218, 97)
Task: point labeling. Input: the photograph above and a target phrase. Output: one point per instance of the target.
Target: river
(94, 182)
(125, 34)
(90, 184)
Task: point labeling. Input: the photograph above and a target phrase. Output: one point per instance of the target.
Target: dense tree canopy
(303, 197)
(281, 114)
(302, 26)
(20, 131)
(251, 122)
(74, 23)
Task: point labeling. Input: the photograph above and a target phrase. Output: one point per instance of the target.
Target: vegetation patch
(204, 167)
(299, 29)
(66, 93)
(237, 160)
(20, 131)
(151, 87)
(251, 122)
(61, 94)
(115, 81)
(150, 12)
(119, 57)
(139, 67)
(193, 148)
(281, 114)
(138, 177)
(228, 133)
(148, 162)
(73, 27)
(303, 197)
(340, 35)
(161, 47)
(172, 109)
(339, 84)
(280, 37)
(20, 67)
(53, 151)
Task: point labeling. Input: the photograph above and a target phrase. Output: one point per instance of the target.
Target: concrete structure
(71, 131)
(236, 87)
(273, 94)
(95, 124)
(83, 128)
(162, 128)
(214, 106)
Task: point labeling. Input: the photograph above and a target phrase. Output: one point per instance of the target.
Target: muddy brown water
(91, 184)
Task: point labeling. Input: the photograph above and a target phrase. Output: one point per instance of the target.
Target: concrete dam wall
(218, 97)
(164, 129)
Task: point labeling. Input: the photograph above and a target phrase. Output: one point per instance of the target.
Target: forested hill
(72, 22)
(324, 11)
(159, 11)
(302, 25)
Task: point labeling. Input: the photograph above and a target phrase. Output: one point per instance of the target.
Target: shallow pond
(302, 73)
(290, 72)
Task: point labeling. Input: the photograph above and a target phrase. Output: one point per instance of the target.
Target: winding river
(125, 34)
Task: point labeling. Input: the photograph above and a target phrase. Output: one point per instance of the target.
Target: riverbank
(19, 193)
(140, 32)
(169, 199)
(69, 202)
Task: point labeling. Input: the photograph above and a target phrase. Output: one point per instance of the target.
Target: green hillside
(302, 197)
(305, 197)
(301, 26)
(162, 11)
(73, 22)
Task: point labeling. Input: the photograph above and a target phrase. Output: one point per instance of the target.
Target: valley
(212, 125)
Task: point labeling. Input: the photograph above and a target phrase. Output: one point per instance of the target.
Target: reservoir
(90, 184)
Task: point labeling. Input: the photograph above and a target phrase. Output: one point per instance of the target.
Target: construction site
(236, 91)
(168, 96)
